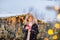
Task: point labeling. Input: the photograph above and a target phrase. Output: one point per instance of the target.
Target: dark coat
(34, 31)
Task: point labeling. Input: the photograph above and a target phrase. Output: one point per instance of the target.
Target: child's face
(30, 19)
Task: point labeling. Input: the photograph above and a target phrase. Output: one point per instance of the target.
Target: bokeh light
(56, 8)
(58, 17)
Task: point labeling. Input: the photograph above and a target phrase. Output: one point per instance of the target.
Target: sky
(18, 7)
